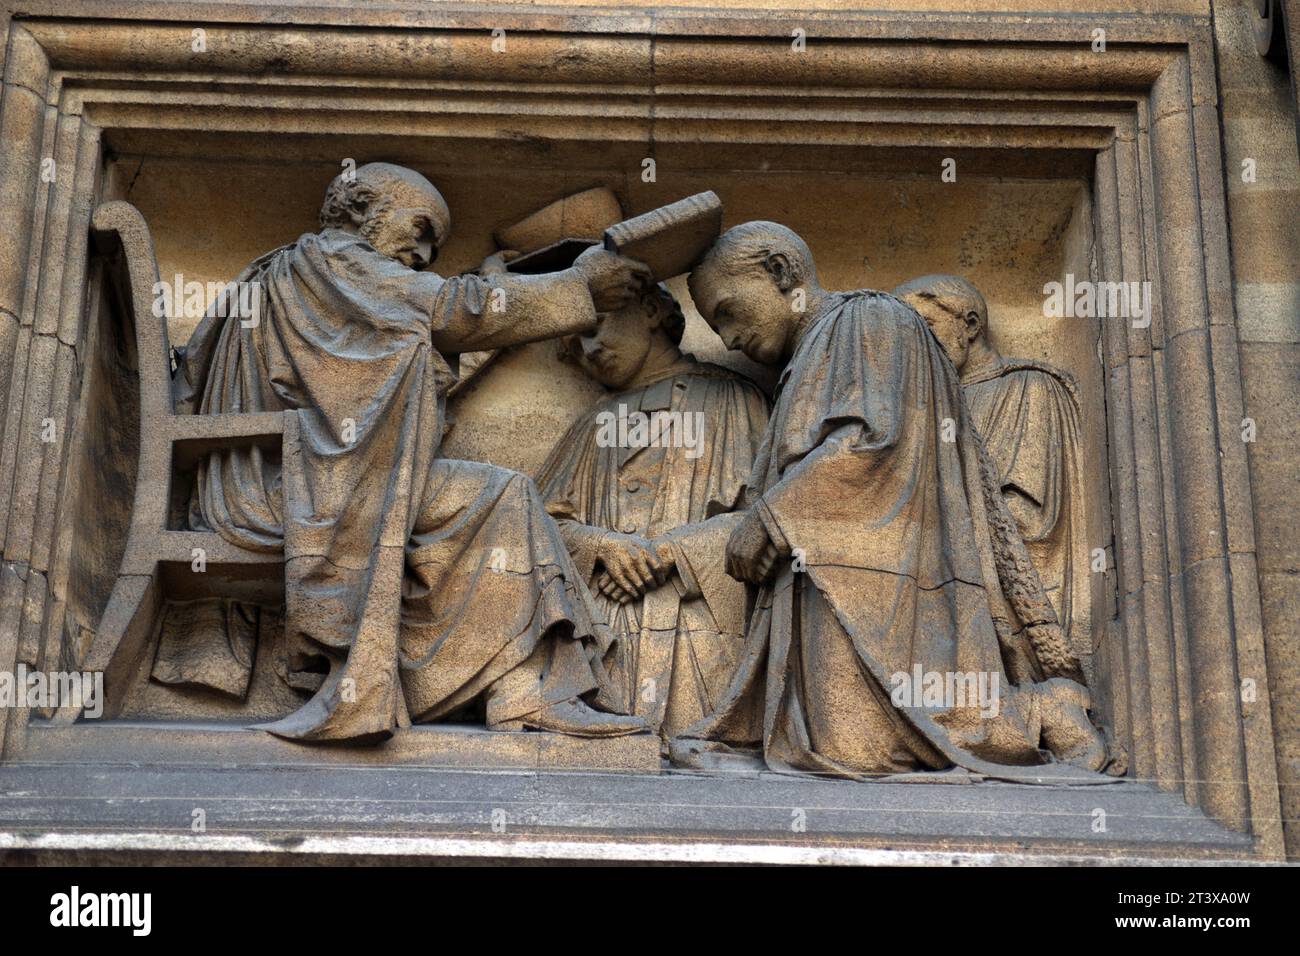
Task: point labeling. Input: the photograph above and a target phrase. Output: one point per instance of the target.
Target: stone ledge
(101, 809)
(177, 744)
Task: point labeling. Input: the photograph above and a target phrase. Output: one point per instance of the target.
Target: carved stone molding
(1141, 116)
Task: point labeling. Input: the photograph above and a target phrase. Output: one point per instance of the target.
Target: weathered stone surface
(1168, 158)
(1258, 128)
(738, 810)
(190, 743)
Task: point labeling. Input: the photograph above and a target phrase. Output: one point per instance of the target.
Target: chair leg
(122, 642)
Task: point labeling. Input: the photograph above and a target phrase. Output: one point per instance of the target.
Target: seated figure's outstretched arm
(474, 313)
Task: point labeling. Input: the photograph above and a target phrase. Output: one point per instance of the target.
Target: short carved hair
(957, 294)
(669, 312)
(368, 192)
(671, 318)
(751, 243)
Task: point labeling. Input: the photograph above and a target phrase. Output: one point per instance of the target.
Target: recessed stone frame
(1188, 627)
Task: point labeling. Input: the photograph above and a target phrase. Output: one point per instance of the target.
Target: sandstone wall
(1258, 122)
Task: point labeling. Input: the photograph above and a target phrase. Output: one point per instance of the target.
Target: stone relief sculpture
(642, 486)
(414, 585)
(546, 239)
(884, 554)
(1028, 415)
(842, 588)
(920, 612)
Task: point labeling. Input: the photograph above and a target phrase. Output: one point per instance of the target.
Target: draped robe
(420, 582)
(1028, 415)
(676, 647)
(871, 470)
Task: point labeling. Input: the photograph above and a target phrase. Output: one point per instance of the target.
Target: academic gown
(675, 648)
(1028, 415)
(421, 582)
(870, 469)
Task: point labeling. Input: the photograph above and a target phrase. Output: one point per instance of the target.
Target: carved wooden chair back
(162, 563)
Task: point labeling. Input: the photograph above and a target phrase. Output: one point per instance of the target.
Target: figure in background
(1028, 415)
(414, 585)
(899, 624)
(642, 487)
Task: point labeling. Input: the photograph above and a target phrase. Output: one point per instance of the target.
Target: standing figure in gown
(1027, 412)
(883, 554)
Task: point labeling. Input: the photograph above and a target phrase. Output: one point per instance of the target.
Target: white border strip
(595, 851)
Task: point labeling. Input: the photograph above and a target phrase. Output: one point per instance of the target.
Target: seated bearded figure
(415, 586)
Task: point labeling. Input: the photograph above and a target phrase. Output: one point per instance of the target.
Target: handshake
(629, 565)
(632, 565)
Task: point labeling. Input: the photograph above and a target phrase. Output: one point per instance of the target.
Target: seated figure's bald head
(372, 189)
(952, 307)
(400, 212)
(956, 292)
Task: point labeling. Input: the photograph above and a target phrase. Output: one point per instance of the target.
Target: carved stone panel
(413, 424)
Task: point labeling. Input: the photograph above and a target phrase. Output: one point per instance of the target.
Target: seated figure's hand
(614, 281)
(632, 564)
(495, 264)
(751, 554)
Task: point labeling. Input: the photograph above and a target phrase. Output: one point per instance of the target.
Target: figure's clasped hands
(633, 565)
(751, 553)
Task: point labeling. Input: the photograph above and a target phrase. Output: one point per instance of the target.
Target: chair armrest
(194, 436)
